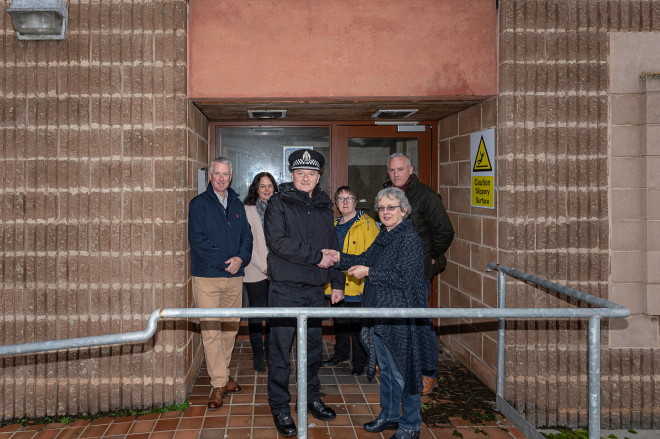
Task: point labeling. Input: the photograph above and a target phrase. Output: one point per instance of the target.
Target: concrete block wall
(465, 283)
(197, 156)
(553, 157)
(98, 161)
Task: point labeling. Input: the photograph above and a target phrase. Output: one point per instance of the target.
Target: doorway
(355, 155)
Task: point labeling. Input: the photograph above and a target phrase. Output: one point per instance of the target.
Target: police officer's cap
(306, 159)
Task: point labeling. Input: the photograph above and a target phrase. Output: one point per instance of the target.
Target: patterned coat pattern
(396, 280)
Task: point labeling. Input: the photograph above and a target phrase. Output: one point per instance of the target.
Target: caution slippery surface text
(482, 165)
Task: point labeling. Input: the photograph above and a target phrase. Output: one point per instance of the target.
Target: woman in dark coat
(394, 270)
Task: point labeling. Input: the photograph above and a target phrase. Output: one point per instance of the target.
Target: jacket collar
(289, 192)
(231, 194)
(385, 237)
(358, 217)
(412, 182)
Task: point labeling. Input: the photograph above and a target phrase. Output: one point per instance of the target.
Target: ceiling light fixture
(266, 114)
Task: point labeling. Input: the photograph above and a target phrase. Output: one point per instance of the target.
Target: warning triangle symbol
(482, 161)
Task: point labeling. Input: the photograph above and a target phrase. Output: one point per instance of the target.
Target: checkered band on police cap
(306, 159)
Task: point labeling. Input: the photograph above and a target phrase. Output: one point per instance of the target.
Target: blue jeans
(391, 392)
(431, 370)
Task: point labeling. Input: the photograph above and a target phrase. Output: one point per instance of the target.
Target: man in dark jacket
(298, 224)
(220, 246)
(430, 220)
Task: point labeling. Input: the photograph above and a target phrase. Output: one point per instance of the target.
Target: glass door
(367, 151)
(362, 153)
(257, 149)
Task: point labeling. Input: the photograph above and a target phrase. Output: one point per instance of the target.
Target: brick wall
(552, 211)
(99, 143)
(464, 283)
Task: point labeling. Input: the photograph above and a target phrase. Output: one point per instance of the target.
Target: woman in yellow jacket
(356, 232)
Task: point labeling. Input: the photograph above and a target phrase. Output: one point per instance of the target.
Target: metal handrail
(606, 309)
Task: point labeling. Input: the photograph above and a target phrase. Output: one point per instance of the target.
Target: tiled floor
(247, 415)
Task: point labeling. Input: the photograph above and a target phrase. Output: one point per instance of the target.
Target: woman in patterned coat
(393, 268)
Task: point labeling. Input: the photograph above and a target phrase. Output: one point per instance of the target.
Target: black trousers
(282, 331)
(348, 329)
(258, 297)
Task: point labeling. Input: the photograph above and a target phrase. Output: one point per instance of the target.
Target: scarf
(405, 185)
(261, 209)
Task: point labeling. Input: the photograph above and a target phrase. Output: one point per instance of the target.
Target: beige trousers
(218, 335)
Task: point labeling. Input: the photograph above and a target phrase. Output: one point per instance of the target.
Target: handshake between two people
(331, 257)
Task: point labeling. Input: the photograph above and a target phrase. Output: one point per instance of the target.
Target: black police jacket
(297, 227)
(431, 222)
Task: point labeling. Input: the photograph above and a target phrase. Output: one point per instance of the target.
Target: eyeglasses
(388, 208)
(345, 199)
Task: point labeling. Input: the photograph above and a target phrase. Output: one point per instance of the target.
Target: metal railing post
(501, 303)
(594, 377)
(301, 374)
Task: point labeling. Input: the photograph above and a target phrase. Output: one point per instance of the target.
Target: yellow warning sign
(482, 161)
(483, 191)
(482, 154)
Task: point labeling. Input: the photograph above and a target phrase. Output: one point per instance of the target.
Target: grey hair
(396, 155)
(395, 192)
(221, 160)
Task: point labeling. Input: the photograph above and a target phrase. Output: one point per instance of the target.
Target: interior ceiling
(345, 110)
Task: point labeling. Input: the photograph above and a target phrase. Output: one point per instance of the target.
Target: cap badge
(306, 157)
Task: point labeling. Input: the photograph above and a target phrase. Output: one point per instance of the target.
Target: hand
(266, 272)
(335, 254)
(358, 271)
(433, 261)
(327, 261)
(336, 296)
(234, 264)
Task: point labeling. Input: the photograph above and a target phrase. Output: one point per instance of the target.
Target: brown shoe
(429, 384)
(215, 400)
(231, 387)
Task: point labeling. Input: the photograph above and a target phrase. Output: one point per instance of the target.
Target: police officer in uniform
(298, 224)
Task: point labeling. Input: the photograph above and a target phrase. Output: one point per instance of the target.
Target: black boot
(285, 425)
(258, 363)
(334, 361)
(380, 424)
(321, 411)
(406, 434)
